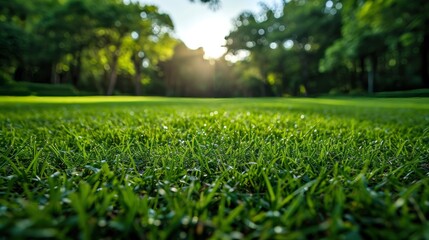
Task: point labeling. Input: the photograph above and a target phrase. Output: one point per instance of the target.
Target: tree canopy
(297, 48)
(315, 46)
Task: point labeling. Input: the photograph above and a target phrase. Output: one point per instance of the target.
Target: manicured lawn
(169, 168)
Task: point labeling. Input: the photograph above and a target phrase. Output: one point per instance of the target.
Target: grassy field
(165, 168)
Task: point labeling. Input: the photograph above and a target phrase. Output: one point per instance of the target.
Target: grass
(102, 168)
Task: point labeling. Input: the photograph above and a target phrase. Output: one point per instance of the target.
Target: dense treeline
(332, 45)
(302, 47)
(96, 45)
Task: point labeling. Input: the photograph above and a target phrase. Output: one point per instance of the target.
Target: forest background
(301, 48)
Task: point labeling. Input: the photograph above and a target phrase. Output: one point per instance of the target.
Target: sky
(199, 26)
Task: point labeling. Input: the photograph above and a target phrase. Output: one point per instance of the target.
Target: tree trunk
(264, 86)
(213, 78)
(370, 81)
(353, 77)
(19, 73)
(113, 75)
(138, 84)
(76, 69)
(113, 71)
(400, 72)
(372, 73)
(362, 71)
(170, 87)
(137, 62)
(304, 76)
(424, 51)
(54, 76)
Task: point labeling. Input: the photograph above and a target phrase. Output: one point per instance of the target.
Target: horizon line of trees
(88, 43)
(299, 48)
(342, 45)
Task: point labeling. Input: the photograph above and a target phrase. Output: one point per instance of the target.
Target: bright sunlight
(208, 34)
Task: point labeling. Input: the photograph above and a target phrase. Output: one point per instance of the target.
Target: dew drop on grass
(171, 214)
(24, 224)
(161, 191)
(251, 224)
(302, 116)
(182, 235)
(399, 202)
(185, 220)
(236, 235)
(55, 174)
(273, 214)
(102, 223)
(91, 168)
(3, 210)
(278, 229)
(151, 212)
(10, 177)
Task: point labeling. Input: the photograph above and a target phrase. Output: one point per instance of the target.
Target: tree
(17, 20)
(188, 74)
(286, 44)
(69, 31)
(137, 29)
(153, 43)
(406, 22)
(379, 41)
(214, 4)
(12, 44)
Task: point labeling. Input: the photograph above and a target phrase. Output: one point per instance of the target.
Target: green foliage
(188, 74)
(116, 47)
(286, 42)
(385, 36)
(213, 4)
(329, 44)
(12, 42)
(54, 43)
(171, 168)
